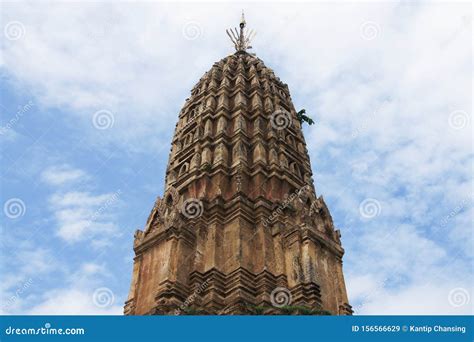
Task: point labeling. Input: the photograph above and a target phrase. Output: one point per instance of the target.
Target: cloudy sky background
(90, 94)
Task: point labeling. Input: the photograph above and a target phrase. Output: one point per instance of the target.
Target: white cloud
(82, 215)
(81, 296)
(73, 301)
(390, 139)
(399, 271)
(90, 62)
(76, 198)
(79, 216)
(37, 260)
(84, 291)
(420, 299)
(27, 264)
(73, 289)
(60, 175)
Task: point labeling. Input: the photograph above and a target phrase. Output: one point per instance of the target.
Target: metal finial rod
(242, 39)
(242, 20)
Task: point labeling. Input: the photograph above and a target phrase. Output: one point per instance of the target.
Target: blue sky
(90, 94)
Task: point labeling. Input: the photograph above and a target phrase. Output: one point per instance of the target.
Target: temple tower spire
(239, 226)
